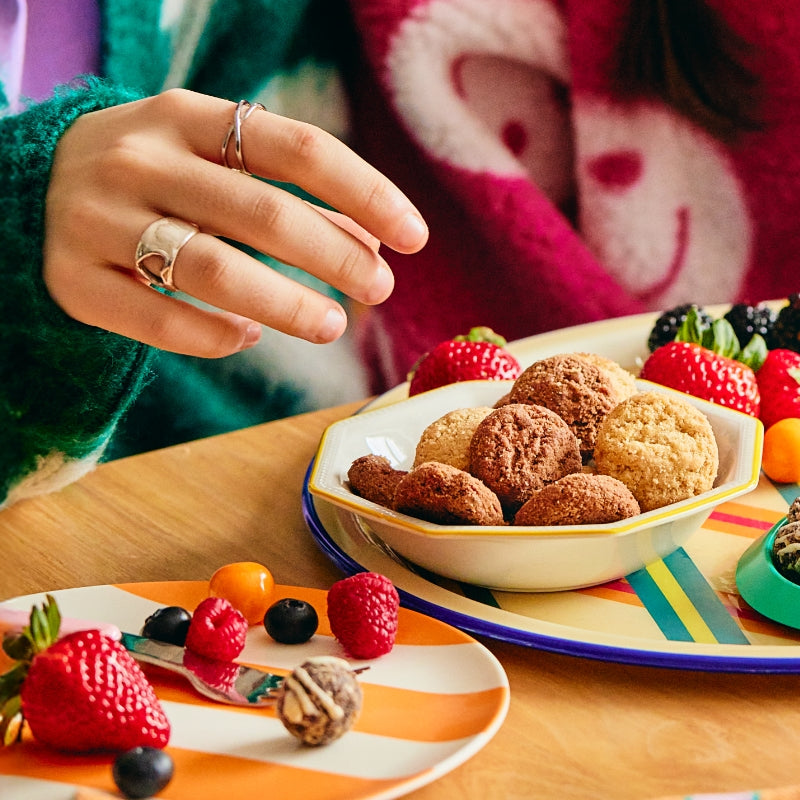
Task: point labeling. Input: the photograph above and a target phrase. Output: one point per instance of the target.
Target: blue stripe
(658, 606)
(789, 491)
(704, 598)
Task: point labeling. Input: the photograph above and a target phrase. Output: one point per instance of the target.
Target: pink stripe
(747, 522)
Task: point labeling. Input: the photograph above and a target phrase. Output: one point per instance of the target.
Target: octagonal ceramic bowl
(517, 558)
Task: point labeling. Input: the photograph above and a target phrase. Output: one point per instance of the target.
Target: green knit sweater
(65, 386)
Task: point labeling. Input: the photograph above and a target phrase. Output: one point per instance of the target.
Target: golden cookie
(660, 446)
(447, 439)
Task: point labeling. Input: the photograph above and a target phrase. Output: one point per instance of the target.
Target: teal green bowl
(763, 587)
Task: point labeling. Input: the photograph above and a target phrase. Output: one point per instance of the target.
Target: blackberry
(747, 320)
(786, 331)
(667, 324)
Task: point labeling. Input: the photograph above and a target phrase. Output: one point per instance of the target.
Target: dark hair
(683, 53)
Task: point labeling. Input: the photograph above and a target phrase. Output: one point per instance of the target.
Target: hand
(119, 169)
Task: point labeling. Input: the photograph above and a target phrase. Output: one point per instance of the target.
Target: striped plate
(429, 705)
(683, 611)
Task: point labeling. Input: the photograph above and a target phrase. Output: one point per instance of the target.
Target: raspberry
(362, 611)
(217, 630)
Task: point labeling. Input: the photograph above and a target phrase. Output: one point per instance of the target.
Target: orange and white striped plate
(429, 705)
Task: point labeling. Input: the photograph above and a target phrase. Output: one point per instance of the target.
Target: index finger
(289, 151)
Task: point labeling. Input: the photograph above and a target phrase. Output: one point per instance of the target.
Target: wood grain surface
(576, 728)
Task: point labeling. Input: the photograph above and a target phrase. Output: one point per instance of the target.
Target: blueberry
(142, 772)
(291, 621)
(169, 624)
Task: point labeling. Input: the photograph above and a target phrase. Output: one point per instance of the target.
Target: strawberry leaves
(35, 638)
(720, 338)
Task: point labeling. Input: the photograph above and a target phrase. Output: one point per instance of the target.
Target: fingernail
(381, 286)
(251, 335)
(333, 325)
(413, 232)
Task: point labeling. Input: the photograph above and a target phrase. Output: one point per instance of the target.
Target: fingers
(271, 221)
(295, 152)
(118, 170)
(116, 301)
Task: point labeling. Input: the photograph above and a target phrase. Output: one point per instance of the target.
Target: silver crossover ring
(244, 108)
(164, 239)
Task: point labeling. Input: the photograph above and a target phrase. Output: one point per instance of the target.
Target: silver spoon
(223, 681)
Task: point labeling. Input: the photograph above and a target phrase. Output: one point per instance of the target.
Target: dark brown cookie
(519, 448)
(447, 439)
(373, 478)
(577, 390)
(579, 499)
(448, 496)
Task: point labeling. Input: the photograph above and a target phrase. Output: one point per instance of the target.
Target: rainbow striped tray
(683, 611)
(429, 705)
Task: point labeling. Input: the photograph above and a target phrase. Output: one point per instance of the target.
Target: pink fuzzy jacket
(551, 201)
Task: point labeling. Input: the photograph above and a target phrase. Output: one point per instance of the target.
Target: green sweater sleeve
(63, 385)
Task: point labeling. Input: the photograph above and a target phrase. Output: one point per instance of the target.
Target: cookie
(579, 499)
(572, 387)
(519, 448)
(660, 446)
(373, 478)
(623, 382)
(448, 496)
(447, 439)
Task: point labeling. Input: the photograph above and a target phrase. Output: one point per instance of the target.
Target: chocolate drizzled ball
(320, 700)
(786, 551)
(794, 511)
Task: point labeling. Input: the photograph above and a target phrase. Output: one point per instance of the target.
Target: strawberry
(80, 693)
(706, 362)
(779, 384)
(217, 630)
(362, 611)
(480, 355)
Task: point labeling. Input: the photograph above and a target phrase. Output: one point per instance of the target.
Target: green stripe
(704, 598)
(658, 606)
(699, 592)
(789, 491)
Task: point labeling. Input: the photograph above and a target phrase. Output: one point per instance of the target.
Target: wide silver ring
(244, 108)
(164, 239)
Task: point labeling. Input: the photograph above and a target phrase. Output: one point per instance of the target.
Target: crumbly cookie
(623, 382)
(660, 446)
(446, 495)
(519, 448)
(373, 478)
(447, 439)
(579, 392)
(503, 401)
(581, 498)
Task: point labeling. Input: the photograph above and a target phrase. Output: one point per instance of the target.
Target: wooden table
(576, 728)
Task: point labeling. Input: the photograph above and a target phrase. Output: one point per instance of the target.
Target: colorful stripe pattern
(680, 598)
(682, 603)
(429, 705)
